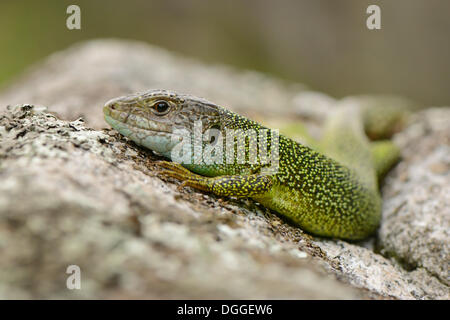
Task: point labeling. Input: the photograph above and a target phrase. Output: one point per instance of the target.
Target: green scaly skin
(331, 191)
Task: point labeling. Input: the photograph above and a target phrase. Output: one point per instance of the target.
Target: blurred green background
(322, 43)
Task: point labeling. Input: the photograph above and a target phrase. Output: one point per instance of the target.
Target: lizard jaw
(157, 140)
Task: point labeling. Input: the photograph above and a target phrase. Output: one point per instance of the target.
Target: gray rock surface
(75, 195)
(416, 220)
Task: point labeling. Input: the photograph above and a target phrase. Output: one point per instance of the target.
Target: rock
(71, 195)
(416, 221)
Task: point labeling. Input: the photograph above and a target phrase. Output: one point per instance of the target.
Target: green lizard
(329, 189)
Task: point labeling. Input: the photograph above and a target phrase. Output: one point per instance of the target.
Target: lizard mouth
(144, 132)
(133, 120)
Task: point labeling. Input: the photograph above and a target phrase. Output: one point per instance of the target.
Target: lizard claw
(182, 185)
(170, 173)
(186, 177)
(173, 166)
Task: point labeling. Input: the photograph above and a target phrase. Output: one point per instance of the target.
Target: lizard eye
(161, 107)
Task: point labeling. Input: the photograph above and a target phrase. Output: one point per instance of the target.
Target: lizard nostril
(112, 104)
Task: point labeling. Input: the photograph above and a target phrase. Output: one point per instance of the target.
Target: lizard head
(151, 119)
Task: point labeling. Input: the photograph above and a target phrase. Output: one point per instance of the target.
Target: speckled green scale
(331, 191)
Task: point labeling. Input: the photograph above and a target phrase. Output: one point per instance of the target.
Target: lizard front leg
(240, 186)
